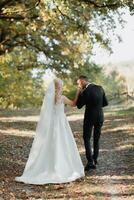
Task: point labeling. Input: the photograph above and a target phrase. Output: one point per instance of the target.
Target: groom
(93, 97)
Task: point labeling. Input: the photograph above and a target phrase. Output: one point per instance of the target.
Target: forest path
(112, 180)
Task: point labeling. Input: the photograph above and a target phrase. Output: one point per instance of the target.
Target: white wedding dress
(54, 157)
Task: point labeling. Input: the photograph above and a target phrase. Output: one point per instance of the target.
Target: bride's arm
(72, 102)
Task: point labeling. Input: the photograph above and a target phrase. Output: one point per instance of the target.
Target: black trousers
(88, 128)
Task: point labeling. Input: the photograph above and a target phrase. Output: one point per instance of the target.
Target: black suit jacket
(93, 97)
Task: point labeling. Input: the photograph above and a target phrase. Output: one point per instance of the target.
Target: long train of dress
(53, 158)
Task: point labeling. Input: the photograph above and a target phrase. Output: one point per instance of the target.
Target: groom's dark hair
(83, 77)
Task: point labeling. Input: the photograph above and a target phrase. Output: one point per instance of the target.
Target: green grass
(123, 111)
(126, 112)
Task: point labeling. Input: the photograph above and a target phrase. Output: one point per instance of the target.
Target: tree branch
(68, 17)
(18, 17)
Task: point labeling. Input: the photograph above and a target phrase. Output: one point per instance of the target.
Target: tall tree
(55, 34)
(64, 30)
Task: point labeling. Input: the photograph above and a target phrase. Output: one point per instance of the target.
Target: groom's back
(94, 100)
(94, 96)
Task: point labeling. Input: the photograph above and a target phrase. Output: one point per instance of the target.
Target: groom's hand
(80, 89)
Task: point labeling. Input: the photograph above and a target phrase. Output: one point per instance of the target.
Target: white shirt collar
(87, 85)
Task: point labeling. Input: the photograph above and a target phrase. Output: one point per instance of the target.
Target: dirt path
(112, 180)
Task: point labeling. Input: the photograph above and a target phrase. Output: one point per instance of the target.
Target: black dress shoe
(92, 166)
(89, 166)
(95, 162)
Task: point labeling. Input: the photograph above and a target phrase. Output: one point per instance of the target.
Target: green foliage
(63, 31)
(19, 88)
(113, 83)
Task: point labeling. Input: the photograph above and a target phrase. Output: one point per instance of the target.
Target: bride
(54, 157)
